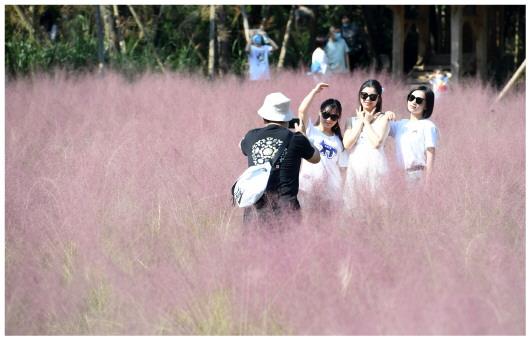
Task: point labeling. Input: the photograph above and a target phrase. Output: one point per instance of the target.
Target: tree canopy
(162, 38)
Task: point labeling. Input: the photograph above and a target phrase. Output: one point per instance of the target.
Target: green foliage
(177, 36)
(75, 50)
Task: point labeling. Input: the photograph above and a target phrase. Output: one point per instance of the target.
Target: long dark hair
(378, 88)
(429, 100)
(331, 104)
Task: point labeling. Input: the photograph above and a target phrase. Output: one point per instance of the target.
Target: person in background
(319, 60)
(337, 52)
(417, 137)
(258, 52)
(321, 184)
(350, 33)
(260, 146)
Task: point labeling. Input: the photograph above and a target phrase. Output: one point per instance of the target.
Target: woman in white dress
(321, 183)
(365, 137)
(417, 137)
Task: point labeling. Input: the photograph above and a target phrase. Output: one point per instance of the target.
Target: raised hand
(319, 87)
(390, 115)
(369, 115)
(360, 113)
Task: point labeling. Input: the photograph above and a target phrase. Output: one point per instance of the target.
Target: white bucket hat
(276, 108)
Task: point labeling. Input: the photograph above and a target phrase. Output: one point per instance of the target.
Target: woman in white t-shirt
(319, 60)
(258, 56)
(417, 137)
(365, 137)
(321, 183)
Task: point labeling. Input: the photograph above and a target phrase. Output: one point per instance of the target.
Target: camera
(293, 121)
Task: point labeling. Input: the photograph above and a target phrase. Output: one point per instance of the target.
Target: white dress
(366, 168)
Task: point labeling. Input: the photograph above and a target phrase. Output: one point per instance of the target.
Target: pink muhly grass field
(119, 220)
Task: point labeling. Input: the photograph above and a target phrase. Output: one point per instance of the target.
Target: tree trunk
(512, 81)
(119, 35)
(423, 34)
(398, 39)
(143, 35)
(245, 23)
(138, 22)
(156, 21)
(517, 39)
(25, 22)
(110, 36)
(312, 33)
(223, 41)
(283, 51)
(368, 15)
(99, 26)
(457, 56)
(211, 46)
(481, 30)
(34, 19)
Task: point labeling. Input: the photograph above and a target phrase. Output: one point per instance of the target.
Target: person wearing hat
(258, 56)
(260, 146)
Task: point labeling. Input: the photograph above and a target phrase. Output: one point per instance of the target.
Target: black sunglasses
(372, 96)
(419, 100)
(326, 115)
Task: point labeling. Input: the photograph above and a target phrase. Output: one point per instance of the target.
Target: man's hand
(299, 128)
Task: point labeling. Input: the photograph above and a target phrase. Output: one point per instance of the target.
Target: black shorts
(271, 210)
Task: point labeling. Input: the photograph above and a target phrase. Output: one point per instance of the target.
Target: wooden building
(462, 39)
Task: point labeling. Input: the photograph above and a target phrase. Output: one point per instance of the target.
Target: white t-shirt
(413, 137)
(319, 61)
(336, 53)
(258, 62)
(325, 173)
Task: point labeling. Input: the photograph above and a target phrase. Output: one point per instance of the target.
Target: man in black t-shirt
(261, 144)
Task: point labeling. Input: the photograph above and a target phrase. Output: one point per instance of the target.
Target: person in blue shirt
(337, 52)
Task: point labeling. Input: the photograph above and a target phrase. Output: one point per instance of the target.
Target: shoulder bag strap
(280, 150)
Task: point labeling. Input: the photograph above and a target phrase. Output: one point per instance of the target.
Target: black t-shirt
(350, 34)
(260, 145)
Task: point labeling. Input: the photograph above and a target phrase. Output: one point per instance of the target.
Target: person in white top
(319, 60)
(321, 183)
(417, 137)
(365, 137)
(258, 56)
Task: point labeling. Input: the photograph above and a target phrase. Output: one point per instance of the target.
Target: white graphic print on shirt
(265, 149)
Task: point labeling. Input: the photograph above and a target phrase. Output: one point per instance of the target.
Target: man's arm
(316, 156)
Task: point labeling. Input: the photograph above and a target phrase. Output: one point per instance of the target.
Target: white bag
(251, 185)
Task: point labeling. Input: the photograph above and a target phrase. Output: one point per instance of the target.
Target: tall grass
(118, 217)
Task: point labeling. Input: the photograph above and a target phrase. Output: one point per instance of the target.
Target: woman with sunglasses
(321, 183)
(416, 138)
(365, 136)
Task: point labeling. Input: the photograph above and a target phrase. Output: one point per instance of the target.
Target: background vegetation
(176, 38)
